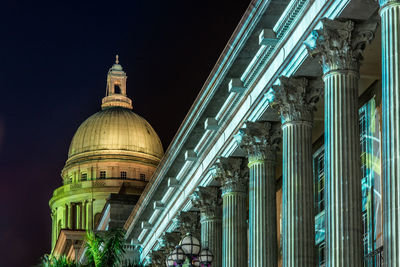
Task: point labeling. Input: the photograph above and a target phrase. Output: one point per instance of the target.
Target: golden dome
(116, 130)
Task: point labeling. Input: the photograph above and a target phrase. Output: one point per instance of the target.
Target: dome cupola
(116, 88)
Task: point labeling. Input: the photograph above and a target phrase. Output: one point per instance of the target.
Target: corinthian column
(339, 45)
(260, 140)
(208, 201)
(390, 14)
(296, 101)
(232, 174)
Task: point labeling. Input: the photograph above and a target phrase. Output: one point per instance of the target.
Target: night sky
(53, 64)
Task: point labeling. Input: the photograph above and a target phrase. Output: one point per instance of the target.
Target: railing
(375, 258)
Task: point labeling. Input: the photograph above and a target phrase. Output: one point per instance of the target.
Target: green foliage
(49, 261)
(104, 251)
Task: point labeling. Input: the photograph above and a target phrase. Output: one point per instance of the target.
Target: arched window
(117, 89)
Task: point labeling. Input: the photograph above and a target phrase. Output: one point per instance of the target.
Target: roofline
(223, 64)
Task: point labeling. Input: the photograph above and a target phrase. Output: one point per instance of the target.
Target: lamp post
(190, 247)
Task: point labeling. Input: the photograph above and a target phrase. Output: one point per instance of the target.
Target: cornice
(251, 105)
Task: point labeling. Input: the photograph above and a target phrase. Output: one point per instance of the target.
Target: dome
(118, 130)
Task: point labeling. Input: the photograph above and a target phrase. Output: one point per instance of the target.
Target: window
(117, 89)
(321, 254)
(102, 174)
(319, 180)
(123, 175)
(142, 176)
(83, 176)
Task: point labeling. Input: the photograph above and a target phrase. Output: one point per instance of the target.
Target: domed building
(113, 151)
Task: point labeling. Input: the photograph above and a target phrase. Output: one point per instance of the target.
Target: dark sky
(53, 64)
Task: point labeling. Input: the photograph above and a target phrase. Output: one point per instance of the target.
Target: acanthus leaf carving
(188, 222)
(232, 173)
(208, 201)
(295, 99)
(260, 140)
(340, 43)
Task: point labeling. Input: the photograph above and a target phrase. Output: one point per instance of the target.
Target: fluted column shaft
(211, 236)
(340, 45)
(232, 173)
(390, 14)
(342, 170)
(296, 99)
(263, 242)
(234, 229)
(260, 140)
(298, 200)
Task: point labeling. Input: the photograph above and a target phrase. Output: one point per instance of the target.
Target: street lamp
(205, 257)
(190, 246)
(170, 262)
(178, 256)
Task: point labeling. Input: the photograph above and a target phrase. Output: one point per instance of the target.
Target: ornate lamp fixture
(205, 257)
(178, 256)
(170, 262)
(190, 247)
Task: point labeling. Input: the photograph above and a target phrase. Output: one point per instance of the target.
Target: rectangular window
(319, 180)
(123, 175)
(83, 176)
(102, 174)
(142, 176)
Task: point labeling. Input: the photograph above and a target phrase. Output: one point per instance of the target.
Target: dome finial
(116, 59)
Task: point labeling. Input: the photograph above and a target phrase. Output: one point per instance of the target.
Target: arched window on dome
(117, 89)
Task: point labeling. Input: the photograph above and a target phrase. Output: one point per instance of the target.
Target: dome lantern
(116, 88)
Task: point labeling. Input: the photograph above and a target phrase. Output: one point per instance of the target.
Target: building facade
(289, 155)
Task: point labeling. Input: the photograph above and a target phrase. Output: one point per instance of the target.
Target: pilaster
(261, 140)
(296, 100)
(208, 201)
(339, 46)
(232, 173)
(390, 21)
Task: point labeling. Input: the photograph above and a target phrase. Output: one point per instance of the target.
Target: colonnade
(339, 46)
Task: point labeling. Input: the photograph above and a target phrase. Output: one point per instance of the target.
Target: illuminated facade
(290, 151)
(115, 151)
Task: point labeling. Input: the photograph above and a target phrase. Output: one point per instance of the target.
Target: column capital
(296, 98)
(170, 240)
(384, 3)
(188, 222)
(232, 173)
(208, 200)
(340, 43)
(260, 140)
